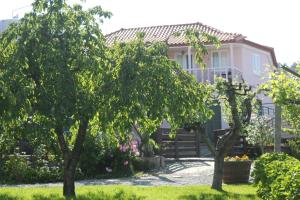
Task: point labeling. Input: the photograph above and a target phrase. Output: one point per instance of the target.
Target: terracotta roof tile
(163, 32)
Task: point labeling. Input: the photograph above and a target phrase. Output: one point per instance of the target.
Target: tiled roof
(166, 32)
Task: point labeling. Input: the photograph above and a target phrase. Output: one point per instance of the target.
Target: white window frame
(220, 59)
(184, 59)
(256, 64)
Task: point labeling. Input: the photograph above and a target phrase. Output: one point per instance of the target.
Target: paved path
(183, 172)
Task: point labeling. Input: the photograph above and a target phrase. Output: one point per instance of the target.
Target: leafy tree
(56, 64)
(53, 60)
(147, 87)
(260, 131)
(237, 100)
(283, 89)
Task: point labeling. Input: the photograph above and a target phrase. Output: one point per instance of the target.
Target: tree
(283, 89)
(53, 59)
(237, 100)
(260, 131)
(56, 62)
(147, 87)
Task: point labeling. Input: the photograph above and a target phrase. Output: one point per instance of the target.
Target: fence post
(277, 135)
(197, 134)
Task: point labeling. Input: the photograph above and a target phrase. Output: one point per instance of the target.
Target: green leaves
(198, 40)
(146, 87)
(284, 90)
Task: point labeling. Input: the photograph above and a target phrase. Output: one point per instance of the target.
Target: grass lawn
(236, 192)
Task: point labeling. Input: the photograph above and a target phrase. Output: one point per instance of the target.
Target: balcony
(209, 74)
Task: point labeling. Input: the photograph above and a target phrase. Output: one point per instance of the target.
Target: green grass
(236, 192)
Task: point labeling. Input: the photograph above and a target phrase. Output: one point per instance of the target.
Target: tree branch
(78, 146)
(61, 140)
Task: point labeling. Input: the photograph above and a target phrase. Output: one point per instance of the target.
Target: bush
(108, 156)
(274, 174)
(18, 168)
(294, 146)
(287, 185)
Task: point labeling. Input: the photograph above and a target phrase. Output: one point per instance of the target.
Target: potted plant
(236, 169)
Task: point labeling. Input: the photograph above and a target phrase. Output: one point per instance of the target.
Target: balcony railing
(209, 74)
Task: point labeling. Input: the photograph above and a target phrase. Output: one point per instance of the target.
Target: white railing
(210, 73)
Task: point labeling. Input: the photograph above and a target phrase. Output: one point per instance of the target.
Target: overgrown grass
(236, 192)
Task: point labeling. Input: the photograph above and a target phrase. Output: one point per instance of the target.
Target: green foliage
(53, 60)
(145, 87)
(260, 131)
(198, 40)
(19, 168)
(284, 90)
(101, 157)
(277, 177)
(294, 145)
(244, 102)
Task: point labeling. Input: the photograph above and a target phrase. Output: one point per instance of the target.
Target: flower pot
(236, 171)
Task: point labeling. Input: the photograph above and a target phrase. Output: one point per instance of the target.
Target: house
(243, 58)
(237, 57)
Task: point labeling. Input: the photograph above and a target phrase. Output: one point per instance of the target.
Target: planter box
(236, 172)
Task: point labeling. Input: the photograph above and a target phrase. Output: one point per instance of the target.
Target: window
(220, 59)
(216, 59)
(179, 59)
(183, 61)
(256, 65)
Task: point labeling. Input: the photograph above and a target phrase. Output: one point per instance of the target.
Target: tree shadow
(8, 197)
(221, 196)
(181, 165)
(120, 195)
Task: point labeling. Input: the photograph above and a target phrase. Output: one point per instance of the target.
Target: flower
(108, 169)
(237, 158)
(123, 147)
(126, 162)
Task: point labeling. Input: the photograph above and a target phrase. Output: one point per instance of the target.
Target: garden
(73, 108)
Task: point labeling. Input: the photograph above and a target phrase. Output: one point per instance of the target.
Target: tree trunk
(218, 171)
(71, 157)
(69, 178)
(204, 136)
(226, 141)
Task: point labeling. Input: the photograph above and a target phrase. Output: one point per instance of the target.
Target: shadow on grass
(120, 195)
(7, 197)
(94, 196)
(221, 196)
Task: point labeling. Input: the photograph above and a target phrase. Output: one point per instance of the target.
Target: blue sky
(273, 23)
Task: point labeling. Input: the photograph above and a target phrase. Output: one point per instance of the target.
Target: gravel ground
(183, 172)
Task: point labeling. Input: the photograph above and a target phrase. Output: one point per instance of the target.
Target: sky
(274, 23)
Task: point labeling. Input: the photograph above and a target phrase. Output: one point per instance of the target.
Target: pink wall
(242, 59)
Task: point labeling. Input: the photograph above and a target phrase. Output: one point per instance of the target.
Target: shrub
(294, 146)
(125, 154)
(260, 131)
(274, 175)
(17, 169)
(287, 185)
(107, 155)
